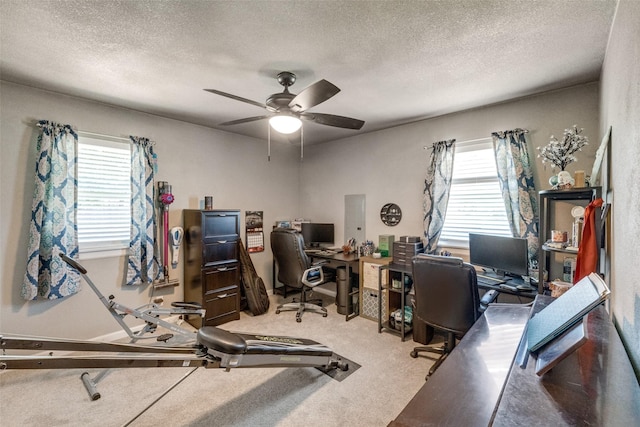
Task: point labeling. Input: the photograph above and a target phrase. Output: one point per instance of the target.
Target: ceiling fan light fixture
(285, 123)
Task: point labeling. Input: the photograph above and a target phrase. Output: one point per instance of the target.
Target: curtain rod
(430, 147)
(101, 135)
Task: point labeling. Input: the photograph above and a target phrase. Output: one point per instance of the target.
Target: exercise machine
(151, 313)
(212, 348)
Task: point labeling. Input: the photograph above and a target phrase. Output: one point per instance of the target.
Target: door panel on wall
(354, 217)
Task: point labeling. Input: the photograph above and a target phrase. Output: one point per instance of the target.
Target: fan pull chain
(301, 142)
(268, 142)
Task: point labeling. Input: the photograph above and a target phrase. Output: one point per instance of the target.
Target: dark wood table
(479, 384)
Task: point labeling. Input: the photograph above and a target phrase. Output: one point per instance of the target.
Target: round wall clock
(390, 214)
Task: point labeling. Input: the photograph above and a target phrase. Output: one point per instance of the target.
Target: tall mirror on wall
(354, 217)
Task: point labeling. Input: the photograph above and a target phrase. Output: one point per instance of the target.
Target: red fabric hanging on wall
(587, 261)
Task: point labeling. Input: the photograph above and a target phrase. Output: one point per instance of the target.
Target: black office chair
(295, 270)
(446, 299)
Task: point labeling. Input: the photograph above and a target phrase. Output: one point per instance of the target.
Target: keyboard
(325, 252)
(490, 281)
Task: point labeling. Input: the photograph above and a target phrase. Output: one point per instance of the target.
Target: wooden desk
(478, 384)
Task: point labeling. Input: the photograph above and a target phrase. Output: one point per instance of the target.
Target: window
(104, 194)
(475, 202)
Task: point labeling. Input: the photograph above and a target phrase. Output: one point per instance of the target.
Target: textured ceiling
(394, 61)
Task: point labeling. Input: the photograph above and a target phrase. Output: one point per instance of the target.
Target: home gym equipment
(213, 348)
(150, 313)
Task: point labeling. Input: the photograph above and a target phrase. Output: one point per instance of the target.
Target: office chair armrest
(313, 276)
(488, 298)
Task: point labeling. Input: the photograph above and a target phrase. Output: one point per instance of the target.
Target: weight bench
(252, 350)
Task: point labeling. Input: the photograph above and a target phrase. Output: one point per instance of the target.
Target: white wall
(389, 166)
(620, 109)
(196, 160)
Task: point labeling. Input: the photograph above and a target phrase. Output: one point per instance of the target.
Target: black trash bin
(343, 299)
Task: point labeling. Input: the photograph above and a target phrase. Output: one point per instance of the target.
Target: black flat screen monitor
(317, 234)
(503, 255)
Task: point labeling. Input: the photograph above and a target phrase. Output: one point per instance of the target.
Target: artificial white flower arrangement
(560, 153)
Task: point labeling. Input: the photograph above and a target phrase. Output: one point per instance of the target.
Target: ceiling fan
(286, 109)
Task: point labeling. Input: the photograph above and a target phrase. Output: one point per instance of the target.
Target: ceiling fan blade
(313, 95)
(241, 99)
(333, 120)
(247, 120)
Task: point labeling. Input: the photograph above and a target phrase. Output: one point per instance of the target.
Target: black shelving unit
(547, 204)
(404, 272)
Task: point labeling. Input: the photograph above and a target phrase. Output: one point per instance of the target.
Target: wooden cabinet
(212, 270)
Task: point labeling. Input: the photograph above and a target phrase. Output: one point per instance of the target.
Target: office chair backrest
(446, 292)
(287, 246)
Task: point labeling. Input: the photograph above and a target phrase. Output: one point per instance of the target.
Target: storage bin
(370, 304)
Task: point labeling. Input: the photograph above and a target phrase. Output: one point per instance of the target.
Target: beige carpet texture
(373, 395)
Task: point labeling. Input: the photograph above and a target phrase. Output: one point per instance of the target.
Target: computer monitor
(316, 234)
(503, 255)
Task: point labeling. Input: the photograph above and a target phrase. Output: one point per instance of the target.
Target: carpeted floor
(386, 379)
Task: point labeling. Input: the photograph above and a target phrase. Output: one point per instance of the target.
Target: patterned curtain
(142, 266)
(53, 228)
(518, 190)
(437, 185)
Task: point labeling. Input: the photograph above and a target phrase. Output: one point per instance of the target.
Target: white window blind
(104, 194)
(475, 203)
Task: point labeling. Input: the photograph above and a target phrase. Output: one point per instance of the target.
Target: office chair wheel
(277, 311)
(414, 354)
(298, 319)
(324, 315)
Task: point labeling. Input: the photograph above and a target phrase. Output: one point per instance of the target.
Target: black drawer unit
(212, 270)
